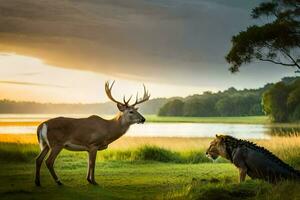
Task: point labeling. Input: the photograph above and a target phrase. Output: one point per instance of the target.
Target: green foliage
(296, 114)
(231, 102)
(274, 102)
(277, 41)
(200, 105)
(281, 102)
(172, 108)
(156, 154)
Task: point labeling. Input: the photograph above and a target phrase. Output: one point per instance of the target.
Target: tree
(293, 101)
(277, 41)
(172, 108)
(274, 102)
(282, 101)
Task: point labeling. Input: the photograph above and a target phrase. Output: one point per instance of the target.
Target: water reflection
(176, 130)
(246, 131)
(284, 131)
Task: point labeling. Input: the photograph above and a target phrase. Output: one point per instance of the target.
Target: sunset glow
(25, 78)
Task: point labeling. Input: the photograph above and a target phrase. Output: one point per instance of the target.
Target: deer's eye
(131, 112)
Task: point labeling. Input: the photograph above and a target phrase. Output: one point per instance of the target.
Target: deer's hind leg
(39, 161)
(50, 162)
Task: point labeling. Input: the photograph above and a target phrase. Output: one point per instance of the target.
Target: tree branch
(278, 63)
(292, 59)
(284, 52)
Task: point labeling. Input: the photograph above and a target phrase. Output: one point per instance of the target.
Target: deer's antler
(108, 89)
(146, 97)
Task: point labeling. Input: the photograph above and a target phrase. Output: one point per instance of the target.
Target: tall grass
(225, 190)
(13, 152)
(16, 152)
(176, 150)
(155, 153)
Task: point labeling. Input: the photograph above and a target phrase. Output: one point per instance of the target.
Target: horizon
(162, 97)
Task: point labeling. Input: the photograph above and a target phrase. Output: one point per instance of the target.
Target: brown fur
(217, 148)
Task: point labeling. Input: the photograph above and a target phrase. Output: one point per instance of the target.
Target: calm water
(253, 131)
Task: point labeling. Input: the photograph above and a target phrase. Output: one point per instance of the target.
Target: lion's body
(257, 162)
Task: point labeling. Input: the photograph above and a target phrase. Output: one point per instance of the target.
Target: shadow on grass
(216, 189)
(16, 152)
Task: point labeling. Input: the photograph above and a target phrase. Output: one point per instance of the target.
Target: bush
(156, 154)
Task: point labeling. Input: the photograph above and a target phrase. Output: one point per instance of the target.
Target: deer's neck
(118, 127)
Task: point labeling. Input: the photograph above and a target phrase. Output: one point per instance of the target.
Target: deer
(91, 134)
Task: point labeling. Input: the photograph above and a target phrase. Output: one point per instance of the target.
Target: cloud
(174, 41)
(28, 73)
(30, 84)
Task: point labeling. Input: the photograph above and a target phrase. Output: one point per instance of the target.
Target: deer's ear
(121, 107)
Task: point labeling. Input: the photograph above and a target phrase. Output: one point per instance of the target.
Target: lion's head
(217, 148)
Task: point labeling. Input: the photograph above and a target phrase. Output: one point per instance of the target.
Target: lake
(246, 131)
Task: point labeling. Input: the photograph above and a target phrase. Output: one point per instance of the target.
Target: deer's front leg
(91, 167)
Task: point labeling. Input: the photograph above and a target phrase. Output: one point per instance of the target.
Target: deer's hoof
(37, 183)
(59, 183)
(93, 182)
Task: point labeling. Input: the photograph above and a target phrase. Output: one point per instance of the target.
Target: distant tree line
(280, 101)
(8, 106)
(231, 102)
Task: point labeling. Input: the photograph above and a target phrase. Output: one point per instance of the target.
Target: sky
(64, 51)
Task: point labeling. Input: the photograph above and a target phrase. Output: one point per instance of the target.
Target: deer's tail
(42, 135)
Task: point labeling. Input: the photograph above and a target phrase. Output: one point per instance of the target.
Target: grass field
(236, 120)
(140, 168)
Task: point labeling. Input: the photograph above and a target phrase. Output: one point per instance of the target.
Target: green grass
(15, 152)
(239, 120)
(147, 172)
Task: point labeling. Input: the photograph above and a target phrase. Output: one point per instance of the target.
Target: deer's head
(128, 112)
